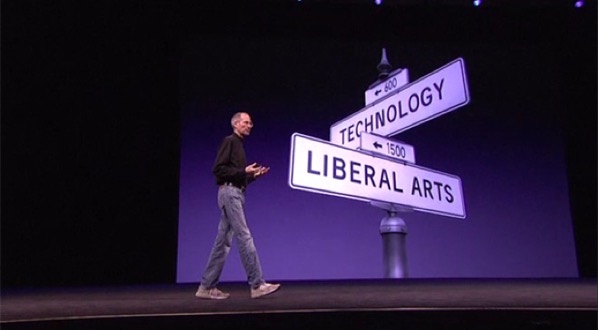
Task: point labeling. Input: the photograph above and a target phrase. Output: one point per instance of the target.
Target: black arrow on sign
(377, 145)
(377, 92)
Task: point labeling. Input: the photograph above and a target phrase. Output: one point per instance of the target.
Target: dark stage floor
(356, 304)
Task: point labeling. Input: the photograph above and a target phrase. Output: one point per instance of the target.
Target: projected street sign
(396, 79)
(437, 93)
(322, 167)
(387, 147)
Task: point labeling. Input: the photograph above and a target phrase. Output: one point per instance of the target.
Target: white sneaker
(213, 293)
(264, 289)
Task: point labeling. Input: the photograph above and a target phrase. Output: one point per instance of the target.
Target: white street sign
(396, 79)
(387, 147)
(433, 95)
(322, 167)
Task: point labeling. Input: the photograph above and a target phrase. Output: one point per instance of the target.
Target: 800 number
(390, 84)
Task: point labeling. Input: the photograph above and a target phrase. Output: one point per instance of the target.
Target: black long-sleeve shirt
(231, 162)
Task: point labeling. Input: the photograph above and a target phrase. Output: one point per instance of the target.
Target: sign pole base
(394, 232)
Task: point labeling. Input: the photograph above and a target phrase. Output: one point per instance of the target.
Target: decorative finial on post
(384, 66)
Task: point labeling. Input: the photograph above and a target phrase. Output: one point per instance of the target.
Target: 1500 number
(396, 150)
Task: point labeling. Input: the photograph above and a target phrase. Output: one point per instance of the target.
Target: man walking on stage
(232, 176)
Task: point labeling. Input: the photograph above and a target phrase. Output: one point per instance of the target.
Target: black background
(90, 116)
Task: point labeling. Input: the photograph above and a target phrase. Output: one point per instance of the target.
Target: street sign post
(322, 167)
(439, 92)
(396, 79)
(387, 147)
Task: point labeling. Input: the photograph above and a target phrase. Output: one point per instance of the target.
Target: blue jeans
(231, 201)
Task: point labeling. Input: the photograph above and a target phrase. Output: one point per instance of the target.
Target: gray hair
(236, 117)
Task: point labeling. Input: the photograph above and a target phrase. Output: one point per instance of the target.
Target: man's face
(244, 125)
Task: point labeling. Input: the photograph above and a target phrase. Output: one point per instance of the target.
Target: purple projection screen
(505, 145)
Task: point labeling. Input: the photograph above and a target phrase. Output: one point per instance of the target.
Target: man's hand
(263, 170)
(256, 170)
